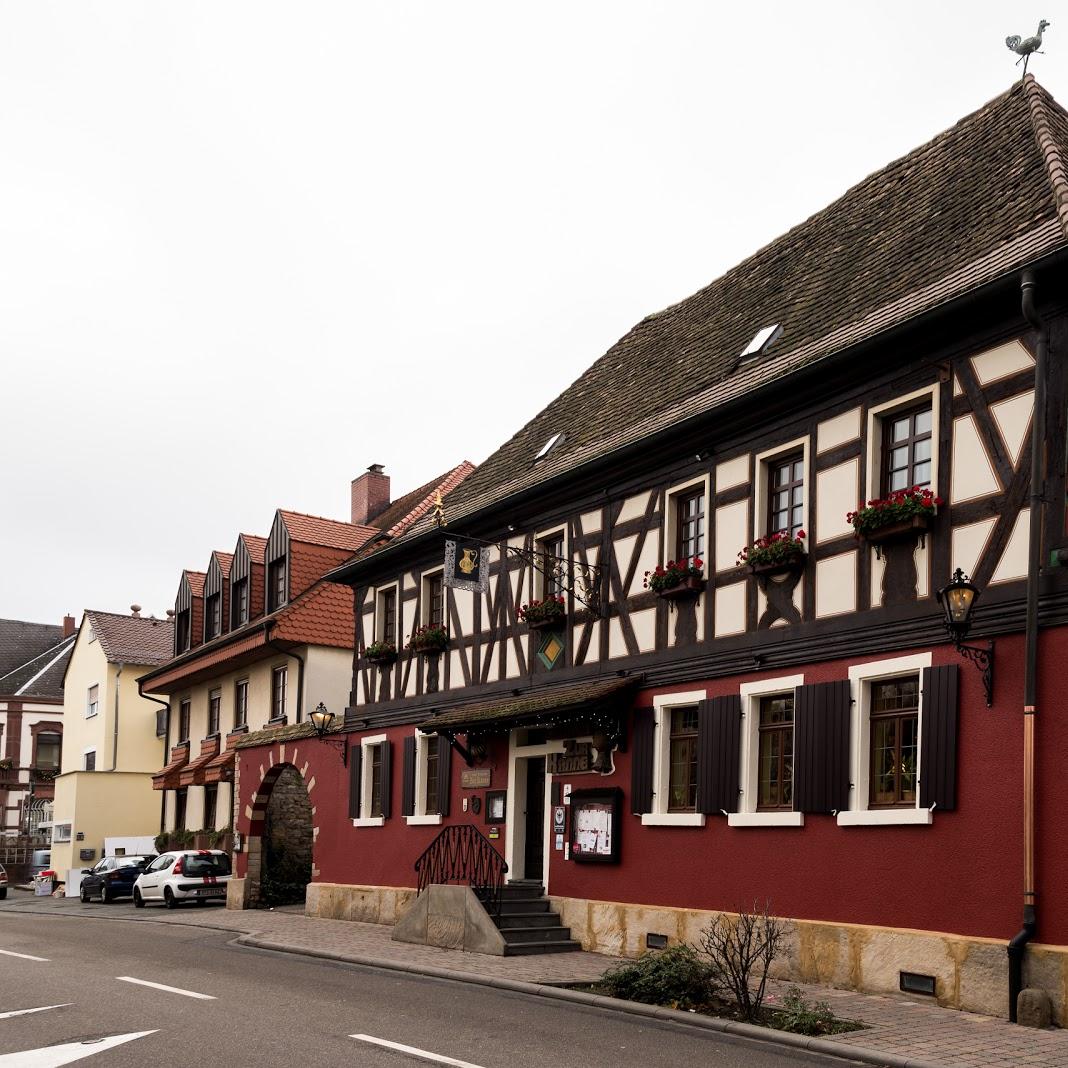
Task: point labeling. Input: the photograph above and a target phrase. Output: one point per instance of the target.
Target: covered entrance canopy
(599, 703)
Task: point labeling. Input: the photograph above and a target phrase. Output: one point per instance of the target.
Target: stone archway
(281, 839)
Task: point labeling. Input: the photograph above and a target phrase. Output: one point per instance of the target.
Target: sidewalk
(898, 1029)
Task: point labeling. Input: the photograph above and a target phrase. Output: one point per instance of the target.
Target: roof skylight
(764, 339)
(548, 446)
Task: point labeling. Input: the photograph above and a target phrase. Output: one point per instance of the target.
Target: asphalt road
(260, 1008)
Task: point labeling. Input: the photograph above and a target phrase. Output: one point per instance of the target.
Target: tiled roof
(322, 615)
(196, 582)
(407, 509)
(977, 202)
(41, 675)
(317, 530)
(225, 560)
(255, 545)
(21, 642)
(509, 709)
(133, 639)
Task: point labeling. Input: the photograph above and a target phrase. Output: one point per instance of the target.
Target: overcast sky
(247, 249)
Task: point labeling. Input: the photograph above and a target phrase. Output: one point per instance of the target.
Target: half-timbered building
(651, 744)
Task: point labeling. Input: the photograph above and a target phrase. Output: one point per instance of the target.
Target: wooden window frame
(684, 540)
(887, 420)
(214, 711)
(240, 707)
(277, 583)
(766, 731)
(430, 580)
(546, 582)
(685, 735)
(212, 616)
(89, 760)
(239, 610)
(183, 631)
(92, 707)
(860, 813)
(387, 596)
(278, 692)
(660, 815)
(773, 465)
(899, 717)
(211, 790)
(185, 720)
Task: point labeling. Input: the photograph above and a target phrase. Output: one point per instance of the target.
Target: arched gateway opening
(280, 839)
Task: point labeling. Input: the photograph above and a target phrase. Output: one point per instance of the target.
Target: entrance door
(534, 852)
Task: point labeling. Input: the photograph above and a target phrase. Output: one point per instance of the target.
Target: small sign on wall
(475, 778)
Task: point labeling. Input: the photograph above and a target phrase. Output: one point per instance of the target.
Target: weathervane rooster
(1025, 46)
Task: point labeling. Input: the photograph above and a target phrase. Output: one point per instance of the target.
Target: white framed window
(782, 490)
(885, 743)
(675, 761)
(92, 701)
(687, 520)
(551, 570)
(427, 777)
(916, 442)
(62, 832)
(387, 614)
(766, 776)
(372, 751)
(432, 602)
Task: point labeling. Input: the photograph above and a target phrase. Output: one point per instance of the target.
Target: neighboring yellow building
(112, 740)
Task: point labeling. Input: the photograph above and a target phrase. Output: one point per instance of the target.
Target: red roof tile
(255, 545)
(316, 530)
(225, 560)
(196, 582)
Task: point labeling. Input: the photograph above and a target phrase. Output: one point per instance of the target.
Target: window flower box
(550, 613)
(383, 653)
(903, 516)
(428, 640)
(678, 580)
(775, 554)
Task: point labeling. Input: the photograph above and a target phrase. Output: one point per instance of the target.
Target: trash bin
(43, 883)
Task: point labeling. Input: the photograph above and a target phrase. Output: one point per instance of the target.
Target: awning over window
(548, 706)
(193, 773)
(221, 767)
(167, 779)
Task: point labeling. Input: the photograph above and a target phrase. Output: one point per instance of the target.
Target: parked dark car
(113, 877)
(3, 883)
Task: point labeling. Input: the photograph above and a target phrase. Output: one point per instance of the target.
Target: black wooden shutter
(821, 747)
(408, 777)
(355, 755)
(387, 780)
(718, 753)
(938, 738)
(641, 763)
(444, 774)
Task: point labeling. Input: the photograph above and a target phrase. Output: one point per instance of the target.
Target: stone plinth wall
(450, 917)
(366, 904)
(970, 973)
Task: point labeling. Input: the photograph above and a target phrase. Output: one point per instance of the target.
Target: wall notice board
(595, 825)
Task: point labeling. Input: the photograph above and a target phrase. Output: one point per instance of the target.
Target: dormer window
(239, 603)
(276, 584)
(213, 617)
(182, 632)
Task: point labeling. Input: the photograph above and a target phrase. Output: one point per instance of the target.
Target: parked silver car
(197, 875)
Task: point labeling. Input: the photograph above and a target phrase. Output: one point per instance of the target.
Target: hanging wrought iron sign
(467, 565)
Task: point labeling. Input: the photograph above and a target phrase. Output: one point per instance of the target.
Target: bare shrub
(741, 951)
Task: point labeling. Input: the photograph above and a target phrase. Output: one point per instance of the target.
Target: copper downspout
(1018, 946)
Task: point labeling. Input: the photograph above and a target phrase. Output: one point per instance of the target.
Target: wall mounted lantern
(958, 599)
(321, 719)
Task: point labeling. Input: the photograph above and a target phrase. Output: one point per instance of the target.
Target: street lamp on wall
(322, 719)
(957, 599)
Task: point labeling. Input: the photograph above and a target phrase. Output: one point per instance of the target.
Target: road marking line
(168, 989)
(26, 1012)
(24, 956)
(437, 1058)
(55, 1056)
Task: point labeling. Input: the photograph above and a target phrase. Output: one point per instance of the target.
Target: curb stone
(735, 1028)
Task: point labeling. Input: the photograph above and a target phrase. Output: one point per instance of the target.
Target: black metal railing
(462, 854)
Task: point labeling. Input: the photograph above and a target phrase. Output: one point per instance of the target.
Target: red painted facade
(961, 874)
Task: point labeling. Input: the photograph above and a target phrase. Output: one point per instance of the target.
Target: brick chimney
(370, 494)
(68, 626)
